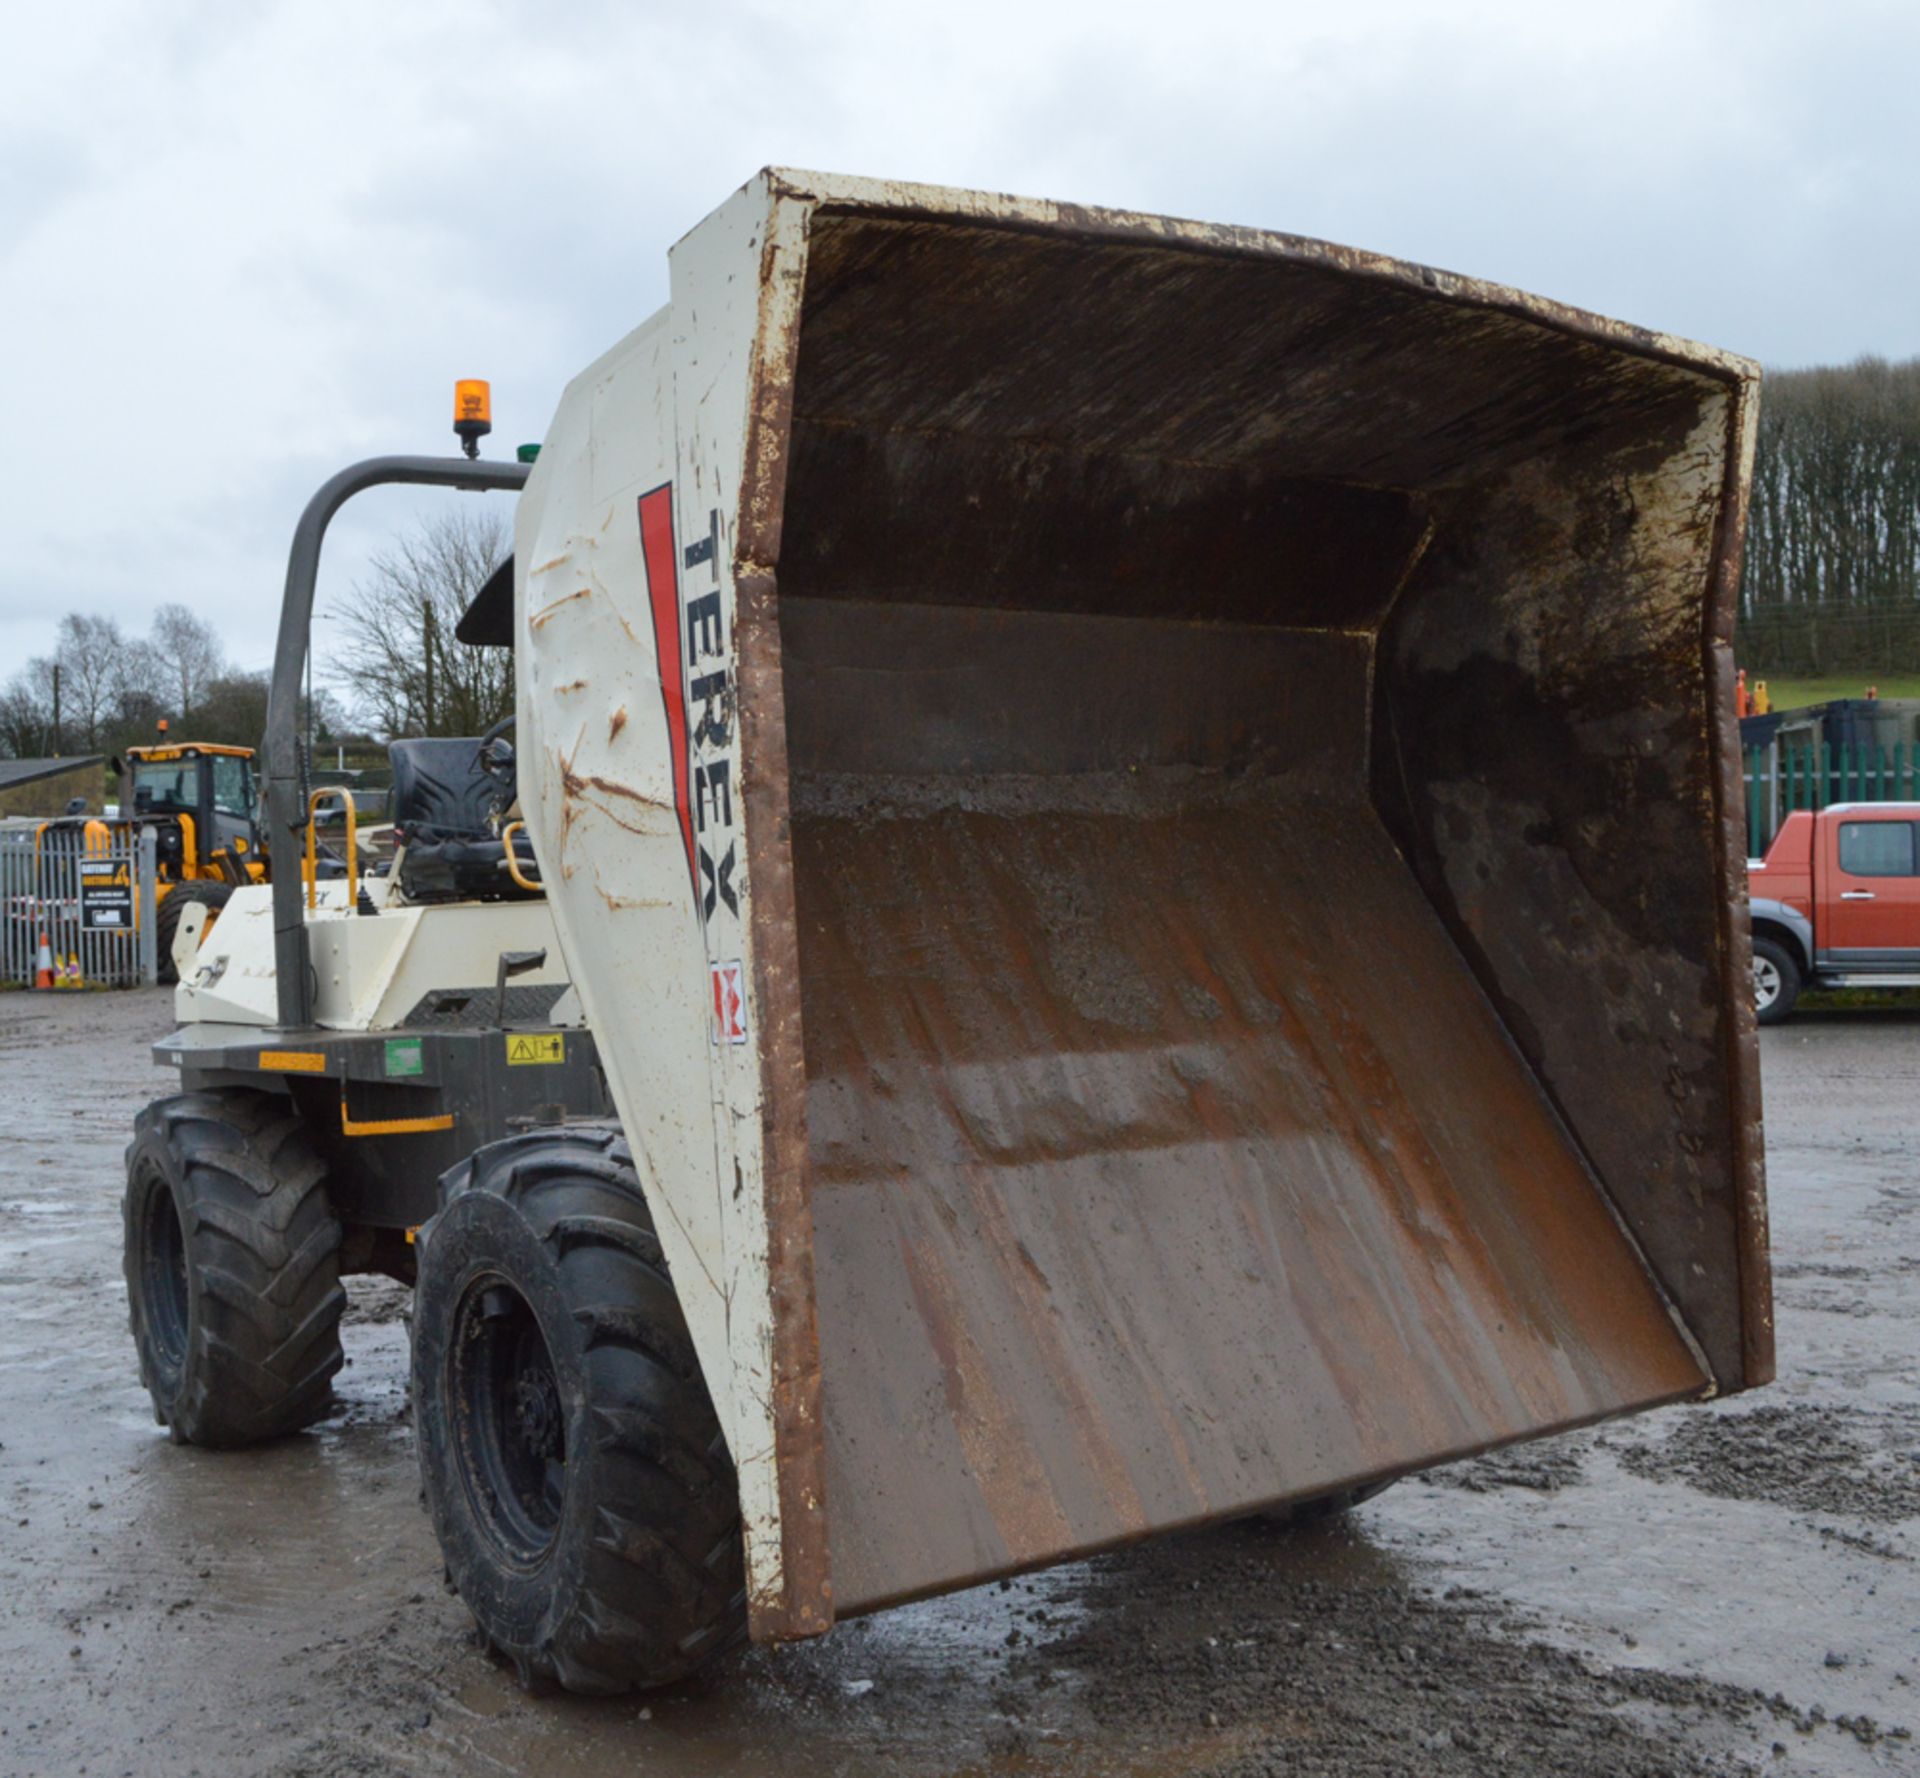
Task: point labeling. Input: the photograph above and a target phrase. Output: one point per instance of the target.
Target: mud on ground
(1704, 1590)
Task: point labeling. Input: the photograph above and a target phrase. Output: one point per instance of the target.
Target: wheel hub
(536, 1413)
(163, 1266)
(510, 1420)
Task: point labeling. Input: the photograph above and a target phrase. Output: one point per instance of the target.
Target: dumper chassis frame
(392, 1111)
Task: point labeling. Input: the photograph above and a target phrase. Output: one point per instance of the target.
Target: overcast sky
(242, 244)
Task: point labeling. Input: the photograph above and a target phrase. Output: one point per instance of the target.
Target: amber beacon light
(472, 412)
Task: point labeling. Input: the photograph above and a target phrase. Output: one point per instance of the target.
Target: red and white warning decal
(729, 1003)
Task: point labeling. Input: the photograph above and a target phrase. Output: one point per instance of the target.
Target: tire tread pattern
(663, 1585)
(262, 1241)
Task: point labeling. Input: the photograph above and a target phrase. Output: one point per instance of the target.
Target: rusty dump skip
(1271, 1008)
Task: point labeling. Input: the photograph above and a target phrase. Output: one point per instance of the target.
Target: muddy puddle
(1733, 1588)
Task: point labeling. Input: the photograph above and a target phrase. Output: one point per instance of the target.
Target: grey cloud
(243, 245)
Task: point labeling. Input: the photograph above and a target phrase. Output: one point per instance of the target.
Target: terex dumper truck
(1132, 916)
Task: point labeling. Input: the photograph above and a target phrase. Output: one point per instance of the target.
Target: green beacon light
(528, 453)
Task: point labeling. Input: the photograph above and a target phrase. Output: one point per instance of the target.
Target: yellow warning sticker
(529, 1047)
(294, 1061)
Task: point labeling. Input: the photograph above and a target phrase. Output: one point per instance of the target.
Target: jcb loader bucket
(1147, 822)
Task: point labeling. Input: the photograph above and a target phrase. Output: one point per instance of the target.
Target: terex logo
(699, 685)
(696, 688)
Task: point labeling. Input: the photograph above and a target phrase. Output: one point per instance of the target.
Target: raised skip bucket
(1240, 841)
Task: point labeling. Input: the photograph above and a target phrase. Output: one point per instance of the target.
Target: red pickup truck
(1836, 904)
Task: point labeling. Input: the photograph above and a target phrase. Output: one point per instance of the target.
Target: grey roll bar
(281, 750)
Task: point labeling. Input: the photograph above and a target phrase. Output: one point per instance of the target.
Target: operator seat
(444, 812)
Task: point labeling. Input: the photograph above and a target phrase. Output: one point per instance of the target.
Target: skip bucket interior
(1261, 924)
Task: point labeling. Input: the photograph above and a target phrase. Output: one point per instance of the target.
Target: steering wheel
(495, 758)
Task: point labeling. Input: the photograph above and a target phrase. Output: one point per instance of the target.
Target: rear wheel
(1776, 981)
(571, 1458)
(209, 893)
(1322, 1506)
(233, 1282)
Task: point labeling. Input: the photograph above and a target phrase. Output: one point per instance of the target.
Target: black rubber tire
(1323, 1506)
(616, 1562)
(232, 1263)
(1787, 966)
(210, 893)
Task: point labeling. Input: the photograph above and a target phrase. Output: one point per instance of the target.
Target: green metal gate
(1792, 773)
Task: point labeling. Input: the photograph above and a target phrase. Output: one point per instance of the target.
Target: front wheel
(571, 1459)
(1776, 981)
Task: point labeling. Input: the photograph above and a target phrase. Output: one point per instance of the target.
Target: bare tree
(26, 712)
(94, 660)
(21, 723)
(398, 665)
(187, 658)
(233, 710)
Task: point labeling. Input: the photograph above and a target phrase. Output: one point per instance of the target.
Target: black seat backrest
(439, 789)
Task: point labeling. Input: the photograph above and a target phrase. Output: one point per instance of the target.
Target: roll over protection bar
(280, 750)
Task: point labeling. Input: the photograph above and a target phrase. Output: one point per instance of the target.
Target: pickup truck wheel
(1776, 981)
(571, 1459)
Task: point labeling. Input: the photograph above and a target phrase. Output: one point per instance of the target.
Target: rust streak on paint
(541, 617)
(626, 792)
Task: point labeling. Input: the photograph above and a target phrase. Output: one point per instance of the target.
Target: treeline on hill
(1832, 580)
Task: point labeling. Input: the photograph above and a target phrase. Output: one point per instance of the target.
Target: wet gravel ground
(1731, 1588)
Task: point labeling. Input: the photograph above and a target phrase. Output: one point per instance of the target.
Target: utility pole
(56, 709)
(426, 629)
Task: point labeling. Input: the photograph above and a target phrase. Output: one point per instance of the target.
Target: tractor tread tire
(211, 893)
(263, 1293)
(644, 1580)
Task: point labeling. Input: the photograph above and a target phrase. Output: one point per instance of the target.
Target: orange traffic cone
(43, 965)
